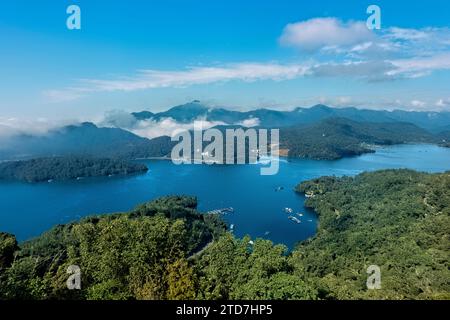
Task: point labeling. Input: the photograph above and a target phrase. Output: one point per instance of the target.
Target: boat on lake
(295, 219)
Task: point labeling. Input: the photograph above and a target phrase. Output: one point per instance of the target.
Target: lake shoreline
(259, 207)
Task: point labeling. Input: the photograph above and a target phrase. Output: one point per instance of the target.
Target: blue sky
(134, 55)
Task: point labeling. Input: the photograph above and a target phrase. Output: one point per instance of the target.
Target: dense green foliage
(8, 245)
(142, 254)
(239, 269)
(165, 249)
(65, 168)
(336, 138)
(396, 219)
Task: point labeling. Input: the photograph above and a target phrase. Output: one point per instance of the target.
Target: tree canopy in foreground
(166, 249)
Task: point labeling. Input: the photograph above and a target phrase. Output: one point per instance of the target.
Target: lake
(27, 210)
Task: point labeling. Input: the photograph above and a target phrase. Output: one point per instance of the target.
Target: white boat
(295, 219)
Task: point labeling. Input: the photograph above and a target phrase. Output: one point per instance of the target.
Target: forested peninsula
(166, 249)
(66, 168)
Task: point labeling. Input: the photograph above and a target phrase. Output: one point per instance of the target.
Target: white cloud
(419, 40)
(40, 126)
(153, 79)
(443, 103)
(336, 101)
(371, 70)
(65, 95)
(119, 119)
(319, 33)
(150, 79)
(396, 33)
(421, 66)
(417, 104)
(343, 49)
(167, 127)
(150, 128)
(353, 39)
(250, 122)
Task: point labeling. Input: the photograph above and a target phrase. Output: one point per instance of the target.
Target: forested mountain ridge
(319, 132)
(335, 138)
(332, 138)
(187, 113)
(396, 219)
(85, 139)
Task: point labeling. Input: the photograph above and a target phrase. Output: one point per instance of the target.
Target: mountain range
(319, 132)
(432, 121)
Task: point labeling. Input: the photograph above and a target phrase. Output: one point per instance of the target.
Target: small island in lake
(66, 168)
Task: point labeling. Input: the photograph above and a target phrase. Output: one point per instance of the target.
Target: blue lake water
(27, 210)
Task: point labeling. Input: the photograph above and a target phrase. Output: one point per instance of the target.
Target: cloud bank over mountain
(164, 125)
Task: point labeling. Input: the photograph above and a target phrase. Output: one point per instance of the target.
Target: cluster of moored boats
(291, 216)
(294, 217)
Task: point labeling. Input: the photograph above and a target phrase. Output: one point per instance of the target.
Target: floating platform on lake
(223, 211)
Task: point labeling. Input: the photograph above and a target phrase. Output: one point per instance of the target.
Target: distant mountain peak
(191, 111)
(321, 107)
(82, 125)
(87, 125)
(143, 115)
(196, 104)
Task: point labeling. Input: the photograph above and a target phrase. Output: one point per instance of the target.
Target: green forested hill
(396, 219)
(84, 140)
(66, 168)
(329, 138)
(165, 249)
(338, 137)
(139, 255)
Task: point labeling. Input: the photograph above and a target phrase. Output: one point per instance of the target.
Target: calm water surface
(27, 210)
